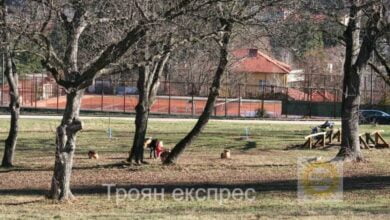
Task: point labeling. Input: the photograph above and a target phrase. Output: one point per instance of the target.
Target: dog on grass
(155, 146)
(93, 155)
(165, 154)
(225, 154)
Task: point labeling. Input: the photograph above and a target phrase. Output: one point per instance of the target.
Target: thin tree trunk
(10, 142)
(14, 106)
(141, 124)
(212, 97)
(141, 118)
(66, 146)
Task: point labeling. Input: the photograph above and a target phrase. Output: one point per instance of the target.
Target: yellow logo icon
(319, 180)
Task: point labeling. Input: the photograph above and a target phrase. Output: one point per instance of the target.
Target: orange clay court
(165, 105)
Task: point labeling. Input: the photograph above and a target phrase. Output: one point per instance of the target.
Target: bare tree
(149, 74)
(228, 14)
(360, 45)
(77, 18)
(363, 23)
(151, 57)
(193, 66)
(213, 94)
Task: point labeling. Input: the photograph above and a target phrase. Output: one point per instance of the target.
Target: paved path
(244, 121)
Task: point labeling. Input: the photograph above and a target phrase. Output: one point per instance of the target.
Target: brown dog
(225, 154)
(164, 155)
(93, 155)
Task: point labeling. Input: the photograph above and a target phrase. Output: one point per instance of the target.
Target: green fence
(304, 108)
(322, 109)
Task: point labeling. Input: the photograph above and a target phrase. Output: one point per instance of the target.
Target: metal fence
(186, 98)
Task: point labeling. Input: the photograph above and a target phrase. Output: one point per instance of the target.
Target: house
(256, 68)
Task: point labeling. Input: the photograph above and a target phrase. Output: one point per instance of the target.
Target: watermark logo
(320, 179)
(120, 194)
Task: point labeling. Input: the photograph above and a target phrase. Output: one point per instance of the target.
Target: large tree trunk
(212, 97)
(357, 54)
(65, 147)
(350, 145)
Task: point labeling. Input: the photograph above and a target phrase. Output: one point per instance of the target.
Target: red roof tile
(316, 95)
(257, 62)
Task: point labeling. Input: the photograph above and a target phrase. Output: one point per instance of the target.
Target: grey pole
(2, 78)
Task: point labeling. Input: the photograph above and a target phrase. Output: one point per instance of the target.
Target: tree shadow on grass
(22, 202)
(249, 145)
(118, 165)
(350, 184)
(301, 147)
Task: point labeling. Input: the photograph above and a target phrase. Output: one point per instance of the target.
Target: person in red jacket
(159, 148)
(156, 148)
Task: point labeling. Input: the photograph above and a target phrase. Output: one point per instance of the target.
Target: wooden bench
(320, 138)
(312, 141)
(367, 140)
(373, 140)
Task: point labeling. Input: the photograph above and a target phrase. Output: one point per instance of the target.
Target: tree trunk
(10, 142)
(148, 83)
(357, 56)
(212, 97)
(65, 147)
(350, 145)
(141, 124)
(14, 106)
(141, 118)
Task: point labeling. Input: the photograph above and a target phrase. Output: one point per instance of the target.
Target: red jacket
(159, 148)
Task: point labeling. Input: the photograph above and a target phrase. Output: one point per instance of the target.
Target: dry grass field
(260, 162)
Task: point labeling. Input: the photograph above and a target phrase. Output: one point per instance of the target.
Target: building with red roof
(255, 67)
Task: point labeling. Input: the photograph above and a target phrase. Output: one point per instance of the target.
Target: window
(262, 83)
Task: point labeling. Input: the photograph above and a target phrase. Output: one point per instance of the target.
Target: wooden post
(36, 92)
(385, 144)
(310, 104)
(311, 136)
(32, 90)
(169, 96)
(323, 139)
(225, 105)
(124, 100)
(102, 97)
(192, 100)
(330, 136)
(362, 141)
(334, 103)
(58, 89)
(2, 80)
(239, 100)
(376, 138)
(368, 138)
(262, 102)
(339, 136)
